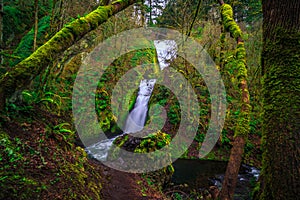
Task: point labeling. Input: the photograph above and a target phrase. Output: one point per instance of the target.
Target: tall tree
(281, 92)
(242, 125)
(36, 21)
(1, 31)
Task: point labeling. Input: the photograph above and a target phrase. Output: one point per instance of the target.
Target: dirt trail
(126, 186)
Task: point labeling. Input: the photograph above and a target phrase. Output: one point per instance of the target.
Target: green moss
(242, 125)
(25, 46)
(109, 79)
(228, 21)
(241, 61)
(120, 141)
(239, 68)
(280, 131)
(170, 169)
(153, 142)
(14, 182)
(78, 173)
(37, 62)
(38, 165)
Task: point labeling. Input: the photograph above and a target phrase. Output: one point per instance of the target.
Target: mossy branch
(242, 125)
(229, 24)
(21, 75)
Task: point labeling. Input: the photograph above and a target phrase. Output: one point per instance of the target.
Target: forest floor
(39, 160)
(124, 186)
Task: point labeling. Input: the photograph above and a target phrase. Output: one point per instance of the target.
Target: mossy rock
(150, 143)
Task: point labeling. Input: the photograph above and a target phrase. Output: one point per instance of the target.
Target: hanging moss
(241, 61)
(242, 127)
(228, 21)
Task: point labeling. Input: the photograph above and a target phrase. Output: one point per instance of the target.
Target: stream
(199, 174)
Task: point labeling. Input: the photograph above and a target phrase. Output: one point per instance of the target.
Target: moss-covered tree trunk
(280, 178)
(242, 124)
(36, 63)
(1, 31)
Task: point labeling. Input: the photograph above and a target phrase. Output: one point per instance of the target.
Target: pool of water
(198, 174)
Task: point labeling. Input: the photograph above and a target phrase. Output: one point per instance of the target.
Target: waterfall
(166, 51)
(137, 117)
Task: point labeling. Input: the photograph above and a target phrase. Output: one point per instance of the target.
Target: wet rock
(143, 146)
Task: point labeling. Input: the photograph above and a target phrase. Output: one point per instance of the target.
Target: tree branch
(242, 124)
(36, 63)
(196, 14)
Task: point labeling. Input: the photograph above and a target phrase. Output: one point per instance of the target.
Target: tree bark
(281, 91)
(52, 21)
(36, 63)
(242, 125)
(36, 21)
(1, 31)
(104, 2)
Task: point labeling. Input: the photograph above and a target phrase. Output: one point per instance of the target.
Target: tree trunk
(61, 14)
(280, 177)
(1, 32)
(36, 21)
(37, 62)
(150, 13)
(104, 2)
(242, 125)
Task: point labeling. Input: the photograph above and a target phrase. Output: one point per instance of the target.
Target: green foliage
(37, 62)
(248, 147)
(249, 11)
(42, 160)
(236, 64)
(199, 137)
(178, 14)
(12, 23)
(64, 132)
(10, 151)
(228, 21)
(121, 140)
(242, 124)
(12, 159)
(153, 142)
(224, 137)
(50, 101)
(18, 19)
(174, 115)
(25, 47)
(50, 98)
(176, 196)
(108, 82)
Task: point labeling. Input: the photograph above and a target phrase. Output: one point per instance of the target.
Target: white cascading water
(137, 117)
(166, 51)
(134, 122)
